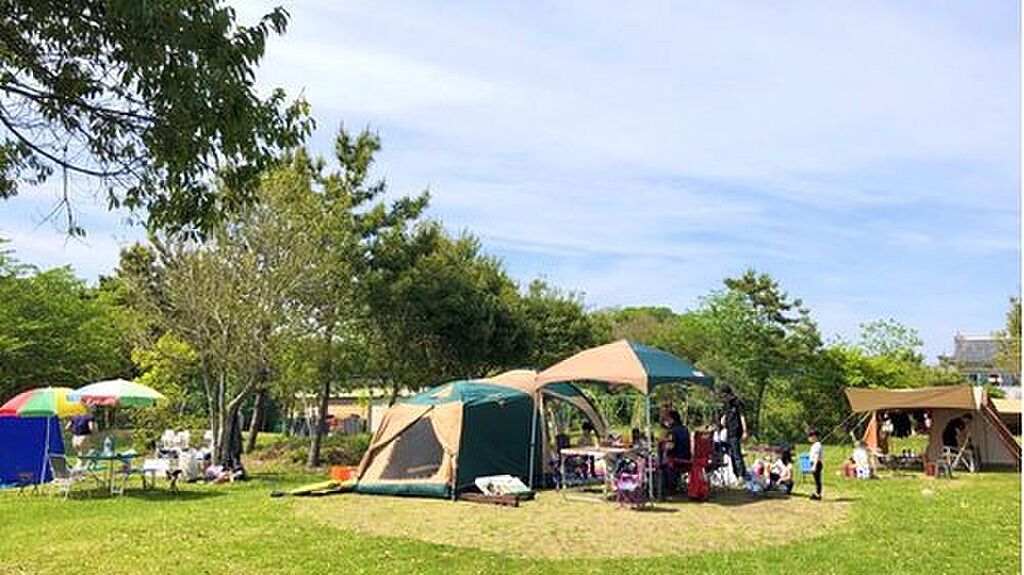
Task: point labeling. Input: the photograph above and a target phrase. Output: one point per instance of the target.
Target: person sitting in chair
(781, 476)
(957, 441)
(677, 449)
(861, 461)
(951, 434)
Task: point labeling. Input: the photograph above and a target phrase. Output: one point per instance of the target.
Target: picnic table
(115, 463)
(610, 454)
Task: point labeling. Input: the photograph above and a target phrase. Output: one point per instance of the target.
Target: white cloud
(867, 153)
(722, 90)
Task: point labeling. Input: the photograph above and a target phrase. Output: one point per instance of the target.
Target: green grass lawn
(903, 524)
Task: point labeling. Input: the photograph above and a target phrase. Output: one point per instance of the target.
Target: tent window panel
(416, 454)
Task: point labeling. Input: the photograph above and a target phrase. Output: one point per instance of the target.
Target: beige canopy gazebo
(625, 363)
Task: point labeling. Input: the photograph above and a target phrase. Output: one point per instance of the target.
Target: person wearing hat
(736, 429)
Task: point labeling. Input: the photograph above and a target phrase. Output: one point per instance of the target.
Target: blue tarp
(22, 447)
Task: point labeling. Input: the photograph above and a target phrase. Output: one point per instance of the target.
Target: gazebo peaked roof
(626, 363)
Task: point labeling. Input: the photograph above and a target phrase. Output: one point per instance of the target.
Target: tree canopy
(155, 100)
(54, 329)
(1008, 356)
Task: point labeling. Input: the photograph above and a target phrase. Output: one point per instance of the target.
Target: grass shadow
(168, 495)
(738, 497)
(656, 508)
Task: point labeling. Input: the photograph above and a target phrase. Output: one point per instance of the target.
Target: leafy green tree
(172, 367)
(888, 337)
(751, 336)
(229, 299)
(650, 325)
(153, 99)
(783, 338)
(1008, 357)
(440, 309)
(559, 325)
(342, 214)
(54, 330)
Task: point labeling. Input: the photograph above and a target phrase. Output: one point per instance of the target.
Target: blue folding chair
(805, 465)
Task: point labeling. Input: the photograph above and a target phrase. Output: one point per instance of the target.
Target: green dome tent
(436, 443)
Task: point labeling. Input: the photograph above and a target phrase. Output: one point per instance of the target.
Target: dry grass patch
(553, 526)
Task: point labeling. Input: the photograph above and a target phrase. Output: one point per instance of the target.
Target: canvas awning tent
(437, 442)
(543, 394)
(992, 440)
(1009, 412)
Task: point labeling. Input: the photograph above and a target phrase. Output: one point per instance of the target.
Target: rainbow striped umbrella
(42, 402)
(117, 392)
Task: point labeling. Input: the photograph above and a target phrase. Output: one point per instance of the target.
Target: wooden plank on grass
(505, 500)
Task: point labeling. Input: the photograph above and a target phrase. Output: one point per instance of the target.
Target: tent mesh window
(416, 454)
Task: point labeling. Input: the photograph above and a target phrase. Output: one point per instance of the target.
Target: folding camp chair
(805, 465)
(965, 455)
(944, 463)
(124, 471)
(63, 477)
(951, 458)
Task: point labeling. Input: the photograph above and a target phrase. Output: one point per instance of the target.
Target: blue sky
(867, 154)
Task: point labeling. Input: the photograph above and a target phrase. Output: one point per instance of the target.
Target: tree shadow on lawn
(656, 509)
(738, 497)
(169, 495)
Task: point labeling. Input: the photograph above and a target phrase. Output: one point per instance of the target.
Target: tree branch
(96, 173)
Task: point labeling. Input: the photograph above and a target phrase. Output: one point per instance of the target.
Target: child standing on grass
(816, 462)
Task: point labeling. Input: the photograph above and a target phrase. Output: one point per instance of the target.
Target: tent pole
(533, 434)
(650, 448)
(46, 453)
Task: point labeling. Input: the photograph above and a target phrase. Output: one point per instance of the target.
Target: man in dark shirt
(677, 457)
(680, 436)
(736, 430)
(81, 427)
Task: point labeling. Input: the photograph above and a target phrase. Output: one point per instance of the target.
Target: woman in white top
(782, 472)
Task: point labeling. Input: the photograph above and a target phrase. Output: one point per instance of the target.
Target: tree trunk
(394, 392)
(762, 387)
(326, 371)
(256, 424)
(229, 441)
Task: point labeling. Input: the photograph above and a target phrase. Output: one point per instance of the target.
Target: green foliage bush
(336, 449)
(170, 367)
